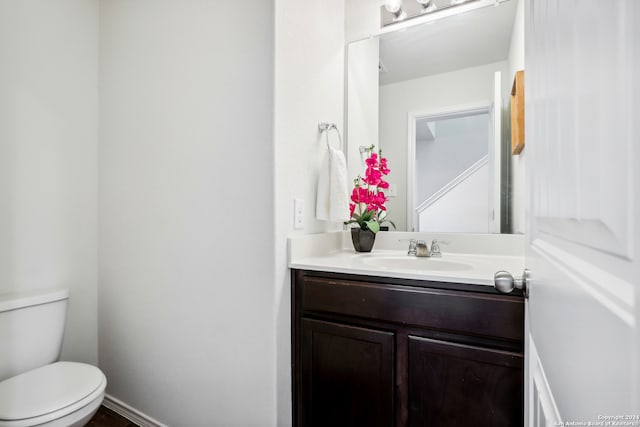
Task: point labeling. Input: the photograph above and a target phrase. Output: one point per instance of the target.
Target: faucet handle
(435, 248)
(412, 247)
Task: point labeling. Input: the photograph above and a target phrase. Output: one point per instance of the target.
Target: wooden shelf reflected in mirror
(517, 113)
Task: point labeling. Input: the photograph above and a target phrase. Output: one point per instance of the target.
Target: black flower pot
(362, 239)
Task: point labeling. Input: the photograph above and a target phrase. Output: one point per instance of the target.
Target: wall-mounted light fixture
(395, 11)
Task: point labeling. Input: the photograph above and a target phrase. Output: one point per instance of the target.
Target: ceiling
(476, 37)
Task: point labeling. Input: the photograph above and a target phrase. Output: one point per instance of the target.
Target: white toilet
(35, 390)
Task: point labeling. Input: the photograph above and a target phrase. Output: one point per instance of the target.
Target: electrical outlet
(298, 214)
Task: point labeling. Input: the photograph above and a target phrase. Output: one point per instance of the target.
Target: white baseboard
(133, 415)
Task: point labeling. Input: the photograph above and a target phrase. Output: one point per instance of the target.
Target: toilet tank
(31, 329)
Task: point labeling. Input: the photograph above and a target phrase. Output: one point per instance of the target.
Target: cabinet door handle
(504, 282)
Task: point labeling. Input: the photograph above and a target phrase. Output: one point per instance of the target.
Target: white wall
(362, 19)
(518, 162)
(48, 157)
(187, 210)
(309, 88)
(188, 333)
(469, 86)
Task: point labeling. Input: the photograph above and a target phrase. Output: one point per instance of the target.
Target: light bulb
(427, 5)
(393, 6)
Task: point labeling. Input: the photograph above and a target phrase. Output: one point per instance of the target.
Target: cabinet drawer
(496, 316)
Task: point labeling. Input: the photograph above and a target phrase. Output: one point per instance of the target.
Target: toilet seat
(48, 393)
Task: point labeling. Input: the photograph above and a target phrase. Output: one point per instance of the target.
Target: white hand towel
(324, 181)
(332, 203)
(339, 210)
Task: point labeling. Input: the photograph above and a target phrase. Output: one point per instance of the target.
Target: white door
(582, 149)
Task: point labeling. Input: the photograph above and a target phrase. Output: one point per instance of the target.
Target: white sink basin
(416, 263)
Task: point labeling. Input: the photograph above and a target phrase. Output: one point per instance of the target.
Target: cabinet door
(455, 385)
(347, 376)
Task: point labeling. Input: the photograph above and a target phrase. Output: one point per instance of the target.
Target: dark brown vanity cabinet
(380, 352)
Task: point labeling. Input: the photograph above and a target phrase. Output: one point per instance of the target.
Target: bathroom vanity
(378, 350)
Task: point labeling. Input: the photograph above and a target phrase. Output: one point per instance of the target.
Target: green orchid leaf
(373, 226)
(367, 216)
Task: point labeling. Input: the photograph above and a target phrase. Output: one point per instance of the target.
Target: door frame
(442, 112)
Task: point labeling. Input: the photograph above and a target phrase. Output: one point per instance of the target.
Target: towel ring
(326, 128)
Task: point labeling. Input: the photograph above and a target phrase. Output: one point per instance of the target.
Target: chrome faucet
(422, 250)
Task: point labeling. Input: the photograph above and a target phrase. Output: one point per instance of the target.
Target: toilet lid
(47, 389)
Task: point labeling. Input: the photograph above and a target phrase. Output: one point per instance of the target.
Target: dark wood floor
(107, 418)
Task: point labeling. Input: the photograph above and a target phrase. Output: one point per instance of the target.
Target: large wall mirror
(434, 97)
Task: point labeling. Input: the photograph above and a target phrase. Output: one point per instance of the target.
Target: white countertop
(329, 252)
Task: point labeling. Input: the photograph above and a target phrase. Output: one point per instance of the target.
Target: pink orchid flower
(368, 201)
